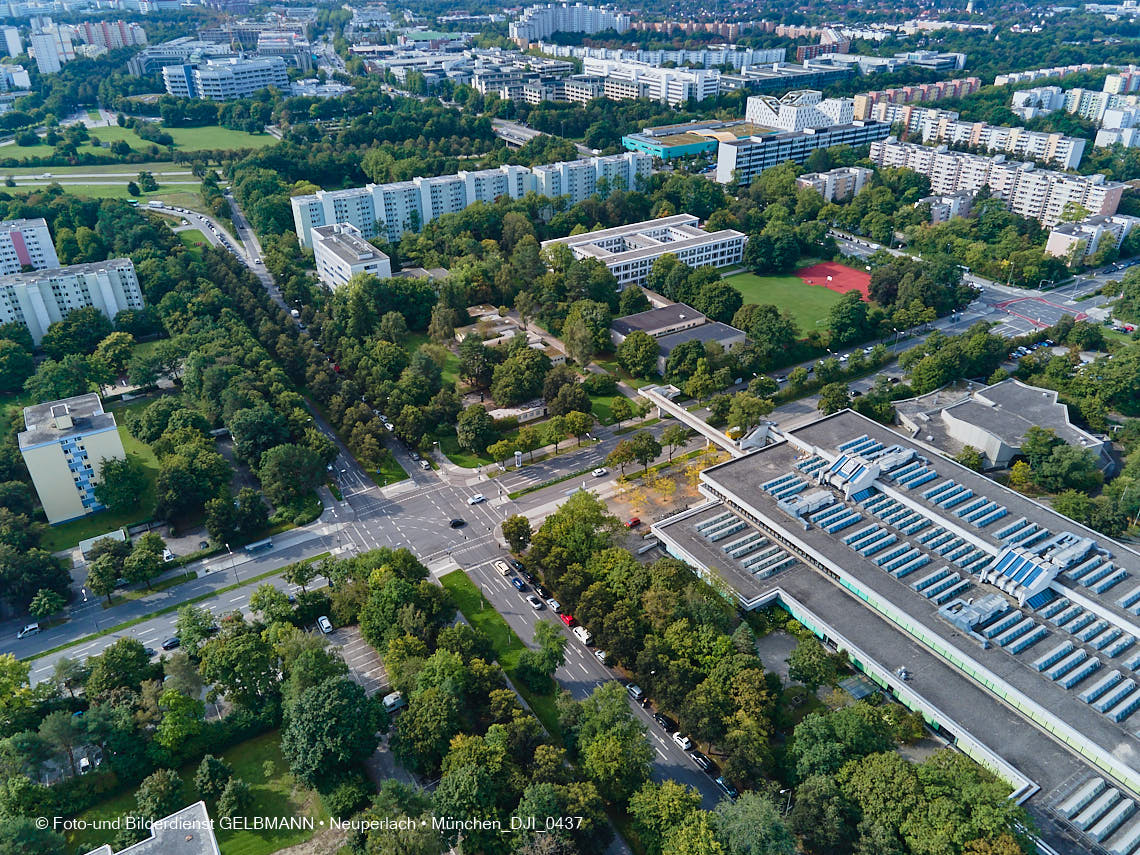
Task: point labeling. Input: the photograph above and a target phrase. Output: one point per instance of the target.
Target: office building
(291, 47)
(189, 831)
(12, 42)
(225, 79)
(674, 325)
(543, 20)
(45, 46)
(690, 138)
(1041, 194)
(673, 86)
(26, 244)
(781, 76)
(628, 252)
(406, 205)
(914, 94)
(744, 158)
(63, 445)
(836, 185)
(712, 56)
(110, 34)
(181, 51)
(868, 64)
(1053, 149)
(42, 297)
(1078, 241)
(1018, 624)
(798, 110)
(340, 253)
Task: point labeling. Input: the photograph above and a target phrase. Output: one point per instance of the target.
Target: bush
(348, 797)
(600, 384)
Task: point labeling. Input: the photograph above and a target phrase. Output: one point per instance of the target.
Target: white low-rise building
(628, 252)
(1078, 241)
(946, 207)
(341, 252)
(39, 298)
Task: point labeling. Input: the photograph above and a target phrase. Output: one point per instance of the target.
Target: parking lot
(364, 665)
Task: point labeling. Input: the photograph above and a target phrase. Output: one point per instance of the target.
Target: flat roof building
(889, 550)
(713, 332)
(673, 86)
(1078, 242)
(63, 445)
(189, 831)
(839, 184)
(340, 253)
(26, 243)
(225, 79)
(744, 158)
(662, 321)
(628, 252)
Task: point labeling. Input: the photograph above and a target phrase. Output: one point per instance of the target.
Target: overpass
(661, 397)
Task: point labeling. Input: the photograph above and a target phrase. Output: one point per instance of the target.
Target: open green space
(390, 471)
(807, 304)
(450, 367)
(449, 445)
(275, 795)
(216, 137)
(193, 240)
(131, 170)
(210, 137)
(481, 615)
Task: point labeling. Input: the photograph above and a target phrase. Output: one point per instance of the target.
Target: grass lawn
(507, 644)
(131, 170)
(450, 367)
(603, 406)
(807, 304)
(193, 240)
(273, 796)
(449, 445)
(390, 471)
(609, 363)
(216, 137)
(175, 195)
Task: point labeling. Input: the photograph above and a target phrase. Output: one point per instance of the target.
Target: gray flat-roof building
(709, 333)
(340, 252)
(188, 832)
(883, 547)
(994, 420)
(662, 321)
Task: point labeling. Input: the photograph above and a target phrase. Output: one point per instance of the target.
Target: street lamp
(233, 564)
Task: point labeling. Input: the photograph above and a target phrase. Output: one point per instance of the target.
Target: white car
(30, 629)
(682, 741)
(324, 624)
(167, 555)
(535, 602)
(555, 606)
(476, 499)
(601, 471)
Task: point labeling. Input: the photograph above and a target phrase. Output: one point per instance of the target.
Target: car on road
(703, 762)
(457, 523)
(601, 656)
(519, 584)
(388, 426)
(172, 643)
(635, 692)
(325, 624)
(28, 630)
(477, 499)
(727, 788)
(503, 568)
(535, 602)
(555, 606)
(257, 261)
(527, 575)
(583, 635)
(150, 652)
(567, 619)
(601, 471)
(425, 465)
(664, 722)
(683, 742)
(541, 590)
(633, 523)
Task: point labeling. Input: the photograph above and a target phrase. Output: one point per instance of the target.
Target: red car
(633, 523)
(568, 619)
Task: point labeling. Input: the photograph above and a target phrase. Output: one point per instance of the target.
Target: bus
(259, 546)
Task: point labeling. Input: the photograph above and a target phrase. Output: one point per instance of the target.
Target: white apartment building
(713, 56)
(1040, 194)
(799, 110)
(836, 184)
(45, 46)
(671, 86)
(341, 252)
(1127, 137)
(14, 78)
(544, 20)
(1029, 103)
(945, 208)
(628, 252)
(1045, 73)
(392, 209)
(1053, 149)
(1078, 241)
(743, 158)
(912, 118)
(64, 444)
(225, 79)
(26, 243)
(40, 298)
(12, 42)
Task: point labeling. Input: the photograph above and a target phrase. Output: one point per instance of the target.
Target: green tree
(847, 321)
(747, 410)
(694, 836)
(426, 729)
(115, 350)
(236, 799)
(16, 366)
(147, 183)
(675, 436)
(579, 424)
(555, 431)
(182, 719)
(290, 471)
(656, 810)
(517, 532)
(272, 604)
(622, 455)
(64, 733)
(23, 837)
(475, 429)
(46, 603)
(239, 663)
(145, 561)
(123, 665)
(971, 458)
(122, 483)
(811, 664)
(822, 817)
(833, 397)
(160, 794)
(330, 730)
(645, 448)
(621, 410)
(702, 383)
(637, 354)
(1038, 443)
(752, 825)
(102, 576)
(193, 626)
(211, 778)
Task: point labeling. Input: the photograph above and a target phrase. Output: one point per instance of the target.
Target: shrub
(348, 797)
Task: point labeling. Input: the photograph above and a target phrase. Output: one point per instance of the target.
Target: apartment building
(911, 117)
(225, 79)
(836, 185)
(42, 297)
(391, 209)
(543, 20)
(1047, 73)
(110, 34)
(946, 207)
(915, 94)
(1078, 241)
(673, 86)
(49, 57)
(713, 56)
(12, 41)
(341, 253)
(628, 252)
(26, 243)
(744, 158)
(1041, 194)
(1054, 149)
(1041, 100)
(64, 444)
(798, 110)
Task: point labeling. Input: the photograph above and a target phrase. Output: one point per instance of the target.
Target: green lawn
(390, 471)
(507, 644)
(193, 240)
(450, 367)
(215, 137)
(273, 796)
(603, 406)
(807, 304)
(449, 445)
(128, 169)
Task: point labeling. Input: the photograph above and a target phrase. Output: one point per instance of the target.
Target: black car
(518, 565)
(171, 643)
(703, 762)
(541, 591)
(457, 523)
(528, 576)
(665, 723)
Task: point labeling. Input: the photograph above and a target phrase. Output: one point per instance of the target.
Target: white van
(583, 635)
(394, 701)
(502, 567)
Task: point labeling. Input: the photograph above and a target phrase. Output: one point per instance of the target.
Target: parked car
(172, 643)
(633, 523)
(567, 619)
(683, 742)
(703, 762)
(535, 602)
(555, 606)
(727, 788)
(325, 624)
(394, 701)
(29, 629)
(664, 722)
(425, 465)
(476, 499)
(518, 583)
(529, 577)
(635, 692)
(601, 656)
(518, 565)
(167, 555)
(541, 590)
(203, 544)
(583, 635)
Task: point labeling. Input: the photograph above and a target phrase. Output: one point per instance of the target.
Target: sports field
(807, 304)
(185, 139)
(837, 277)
